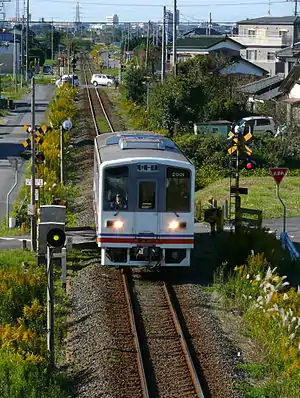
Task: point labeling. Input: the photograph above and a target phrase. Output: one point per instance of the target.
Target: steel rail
(135, 335)
(101, 104)
(90, 99)
(183, 343)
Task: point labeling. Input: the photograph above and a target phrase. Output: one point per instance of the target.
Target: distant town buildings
(113, 20)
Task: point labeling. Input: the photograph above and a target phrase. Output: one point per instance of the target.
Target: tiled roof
(269, 94)
(203, 42)
(202, 32)
(261, 84)
(199, 42)
(288, 20)
(291, 78)
(289, 51)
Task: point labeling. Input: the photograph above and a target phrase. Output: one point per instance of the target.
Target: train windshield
(178, 190)
(115, 188)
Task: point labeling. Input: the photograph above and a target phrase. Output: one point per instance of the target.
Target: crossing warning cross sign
(278, 173)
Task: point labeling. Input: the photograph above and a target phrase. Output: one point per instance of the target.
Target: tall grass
(24, 369)
(271, 315)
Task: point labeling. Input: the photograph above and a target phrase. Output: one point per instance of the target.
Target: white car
(67, 79)
(102, 80)
(259, 125)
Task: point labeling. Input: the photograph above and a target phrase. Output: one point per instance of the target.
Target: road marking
(18, 239)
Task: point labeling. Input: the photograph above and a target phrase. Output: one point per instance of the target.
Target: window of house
(251, 54)
(251, 32)
(283, 33)
(270, 56)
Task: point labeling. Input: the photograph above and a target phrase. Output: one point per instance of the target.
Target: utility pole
(33, 215)
(175, 38)
(147, 46)
(209, 25)
(61, 155)
(163, 46)
(15, 60)
(22, 51)
(27, 38)
(52, 42)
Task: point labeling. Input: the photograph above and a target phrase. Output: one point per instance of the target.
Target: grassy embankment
(261, 195)
(24, 366)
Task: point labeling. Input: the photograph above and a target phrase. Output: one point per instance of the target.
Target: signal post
(239, 148)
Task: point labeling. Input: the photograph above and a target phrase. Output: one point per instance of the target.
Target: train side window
(178, 190)
(115, 188)
(147, 193)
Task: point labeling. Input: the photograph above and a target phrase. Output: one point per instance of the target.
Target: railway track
(165, 364)
(96, 103)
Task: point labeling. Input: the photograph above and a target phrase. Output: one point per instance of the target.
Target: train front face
(146, 213)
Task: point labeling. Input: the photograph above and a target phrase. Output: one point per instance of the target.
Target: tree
(218, 90)
(135, 84)
(175, 104)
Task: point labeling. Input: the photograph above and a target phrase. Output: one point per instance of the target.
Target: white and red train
(143, 200)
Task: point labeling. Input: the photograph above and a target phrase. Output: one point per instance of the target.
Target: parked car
(259, 125)
(67, 79)
(63, 79)
(102, 80)
(47, 69)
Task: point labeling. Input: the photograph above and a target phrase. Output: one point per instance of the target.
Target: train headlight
(174, 224)
(116, 224)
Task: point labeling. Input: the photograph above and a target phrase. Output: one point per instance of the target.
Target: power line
(170, 5)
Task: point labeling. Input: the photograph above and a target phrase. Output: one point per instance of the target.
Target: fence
(288, 244)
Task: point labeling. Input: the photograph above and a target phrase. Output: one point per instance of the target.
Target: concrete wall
(295, 91)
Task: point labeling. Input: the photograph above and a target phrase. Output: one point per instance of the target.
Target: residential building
(264, 37)
(281, 90)
(189, 47)
(112, 20)
(262, 90)
(288, 57)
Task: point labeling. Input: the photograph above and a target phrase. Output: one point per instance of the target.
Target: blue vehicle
(47, 69)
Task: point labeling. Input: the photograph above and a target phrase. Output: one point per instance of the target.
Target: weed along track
(166, 367)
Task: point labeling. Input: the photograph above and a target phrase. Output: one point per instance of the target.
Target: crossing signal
(40, 157)
(250, 164)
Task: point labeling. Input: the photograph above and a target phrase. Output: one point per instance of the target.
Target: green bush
(22, 379)
(19, 285)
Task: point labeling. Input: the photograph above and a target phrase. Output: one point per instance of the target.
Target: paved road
(88, 237)
(12, 135)
(109, 62)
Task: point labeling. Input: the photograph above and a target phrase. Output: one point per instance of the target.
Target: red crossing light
(250, 164)
(40, 157)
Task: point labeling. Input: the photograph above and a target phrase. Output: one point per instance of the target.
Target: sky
(191, 11)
